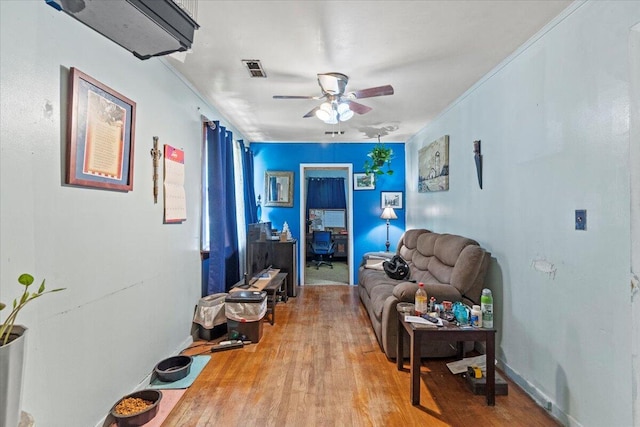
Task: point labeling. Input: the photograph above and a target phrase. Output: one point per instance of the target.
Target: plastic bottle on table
(476, 316)
(486, 306)
(421, 300)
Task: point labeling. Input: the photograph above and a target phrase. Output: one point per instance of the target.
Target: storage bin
(211, 317)
(251, 330)
(246, 306)
(245, 311)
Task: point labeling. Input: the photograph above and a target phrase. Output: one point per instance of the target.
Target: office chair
(321, 247)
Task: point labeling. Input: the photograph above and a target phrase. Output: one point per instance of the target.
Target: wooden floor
(320, 365)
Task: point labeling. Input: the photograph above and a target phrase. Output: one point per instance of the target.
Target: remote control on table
(430, 318)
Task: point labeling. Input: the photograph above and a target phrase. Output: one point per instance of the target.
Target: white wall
(634, 161)
(554, 126)
(132, 282)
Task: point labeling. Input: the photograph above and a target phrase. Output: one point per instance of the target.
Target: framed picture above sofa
(433, 166)
(391, 199)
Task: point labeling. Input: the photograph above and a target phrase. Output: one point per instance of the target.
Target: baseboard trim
(538, 396)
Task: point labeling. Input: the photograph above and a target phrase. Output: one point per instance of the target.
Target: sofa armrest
(378, 255)
(405, 291)
(375, 257)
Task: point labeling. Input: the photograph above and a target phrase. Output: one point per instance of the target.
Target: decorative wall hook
(155, 155)
(478, 158)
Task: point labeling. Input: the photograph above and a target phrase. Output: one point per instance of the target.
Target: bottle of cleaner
(486, 306)
(421, 300)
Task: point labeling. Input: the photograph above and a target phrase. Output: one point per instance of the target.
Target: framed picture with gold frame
(278, 188)
(100, 135)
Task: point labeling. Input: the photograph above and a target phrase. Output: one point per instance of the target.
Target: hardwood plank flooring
(320, 365)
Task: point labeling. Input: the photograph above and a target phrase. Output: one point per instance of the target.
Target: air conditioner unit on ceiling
(145, 28)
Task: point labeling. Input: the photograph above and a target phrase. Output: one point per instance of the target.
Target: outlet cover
(581, 219)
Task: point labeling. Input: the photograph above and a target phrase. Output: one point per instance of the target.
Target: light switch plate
(581, 219)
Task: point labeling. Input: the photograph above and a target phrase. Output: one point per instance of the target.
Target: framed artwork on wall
(363, 181)
(433, 166)
(100, 135)
(391, 199)
(278, 188)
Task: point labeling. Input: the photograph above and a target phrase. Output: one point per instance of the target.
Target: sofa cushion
(448, 247)
(406, 291)
(427, 244)
(409, 243)
(369, 279)
(440, 271)
(470, 270)
(424, 276)
(379, 295)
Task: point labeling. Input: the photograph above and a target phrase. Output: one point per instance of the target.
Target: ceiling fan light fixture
(326, 106)
(333, 118)
(339, 106)
(343, 107)
(323, 114)
(346, 115)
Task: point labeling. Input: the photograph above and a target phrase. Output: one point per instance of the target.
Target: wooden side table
(448, 332)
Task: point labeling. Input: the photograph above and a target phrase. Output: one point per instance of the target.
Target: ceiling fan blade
(372, 91)
(358, 108)
(295, 97)
(311, 113)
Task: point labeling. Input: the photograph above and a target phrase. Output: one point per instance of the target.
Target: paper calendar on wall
(175, 204)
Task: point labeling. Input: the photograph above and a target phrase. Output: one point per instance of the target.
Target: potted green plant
(12, 345)
(378, 158)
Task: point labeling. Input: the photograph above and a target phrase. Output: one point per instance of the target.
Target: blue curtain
(224, 267)
(250, 208)
(326, 193)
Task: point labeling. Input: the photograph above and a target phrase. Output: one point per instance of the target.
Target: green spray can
(486, 306)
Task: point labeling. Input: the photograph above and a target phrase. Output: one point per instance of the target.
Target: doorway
(345, 269)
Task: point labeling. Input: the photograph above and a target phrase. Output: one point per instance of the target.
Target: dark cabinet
(340, 245)
(285, 257)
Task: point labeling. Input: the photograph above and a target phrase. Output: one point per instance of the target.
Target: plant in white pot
(12, 345)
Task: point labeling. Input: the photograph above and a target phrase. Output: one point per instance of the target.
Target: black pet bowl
(174, 368)
(142, 417)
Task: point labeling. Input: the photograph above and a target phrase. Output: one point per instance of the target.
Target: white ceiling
(431, 52)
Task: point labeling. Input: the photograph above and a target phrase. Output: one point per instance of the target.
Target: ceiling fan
(339, 106)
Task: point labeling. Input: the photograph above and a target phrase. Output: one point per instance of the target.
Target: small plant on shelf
(378, 158)
(26, 280)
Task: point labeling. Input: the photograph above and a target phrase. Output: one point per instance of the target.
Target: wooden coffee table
(448, 332)
(277, 288)
(274, 284)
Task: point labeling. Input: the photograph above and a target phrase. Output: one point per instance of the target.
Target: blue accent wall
(369, 231)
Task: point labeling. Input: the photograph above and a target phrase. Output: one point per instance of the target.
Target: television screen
(259, 245)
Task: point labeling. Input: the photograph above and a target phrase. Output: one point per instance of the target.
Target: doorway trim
(303, 228)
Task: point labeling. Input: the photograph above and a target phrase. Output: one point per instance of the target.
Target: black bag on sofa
(396, 268)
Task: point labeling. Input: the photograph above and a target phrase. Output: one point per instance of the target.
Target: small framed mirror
(278, 188)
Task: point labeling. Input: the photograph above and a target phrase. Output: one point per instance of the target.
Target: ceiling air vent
(254, 67)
